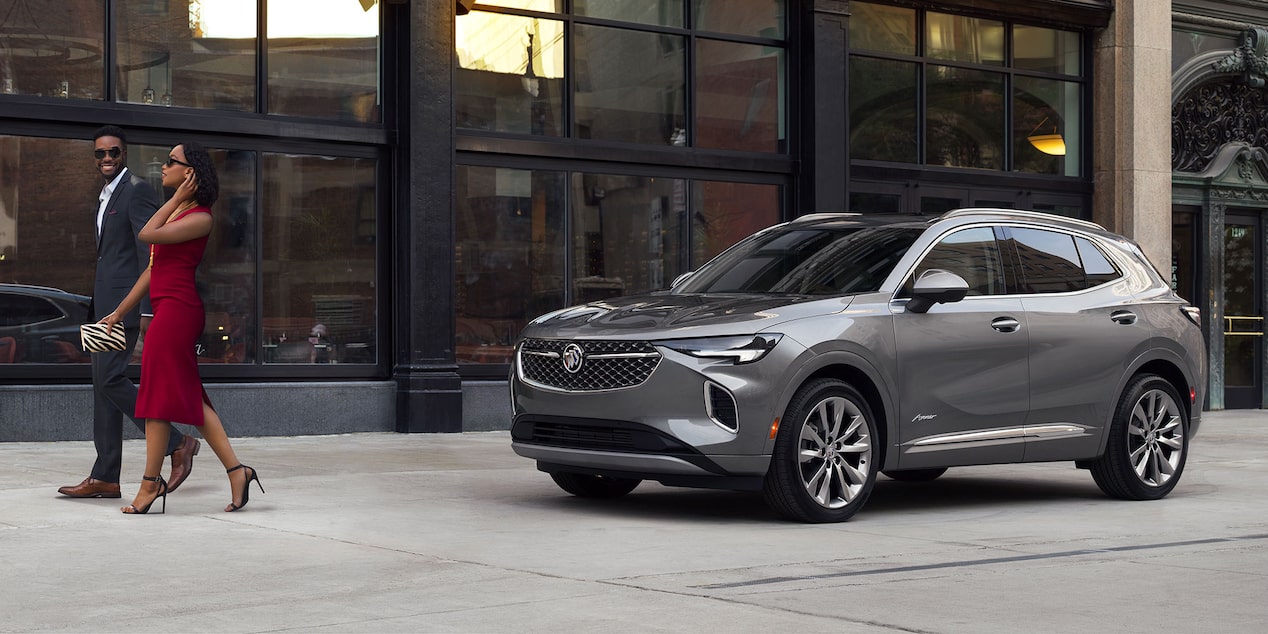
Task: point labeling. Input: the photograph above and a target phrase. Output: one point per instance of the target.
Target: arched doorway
(1219, 131)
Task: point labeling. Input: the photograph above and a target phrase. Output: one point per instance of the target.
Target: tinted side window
(20, 310)
(1098, 267)
(1049, 261)
(973, 255)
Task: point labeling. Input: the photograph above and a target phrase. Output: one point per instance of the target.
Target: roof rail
(1025, 214)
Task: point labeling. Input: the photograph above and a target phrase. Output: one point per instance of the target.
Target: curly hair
(208, 189)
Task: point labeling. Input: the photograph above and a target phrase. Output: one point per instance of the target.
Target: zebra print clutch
(94, 338)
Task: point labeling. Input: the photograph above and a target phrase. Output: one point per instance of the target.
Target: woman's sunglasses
(114, 153)
(173, 161)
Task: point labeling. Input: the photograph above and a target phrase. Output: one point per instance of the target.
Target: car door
(963, 376)
(1084, 332)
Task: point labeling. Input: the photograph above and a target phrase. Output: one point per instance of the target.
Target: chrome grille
(605, 365)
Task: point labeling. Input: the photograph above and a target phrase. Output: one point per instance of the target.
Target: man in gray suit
(124, 206)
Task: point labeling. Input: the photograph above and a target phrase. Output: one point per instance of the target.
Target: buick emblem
(574, 356)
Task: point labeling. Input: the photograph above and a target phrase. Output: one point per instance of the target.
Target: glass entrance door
(1243, 314)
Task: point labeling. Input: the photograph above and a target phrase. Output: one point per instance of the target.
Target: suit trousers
(114, 396)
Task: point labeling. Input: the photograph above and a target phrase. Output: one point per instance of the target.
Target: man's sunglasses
(114, 152)
(172, 160)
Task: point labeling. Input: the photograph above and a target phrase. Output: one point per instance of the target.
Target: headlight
(737, 349)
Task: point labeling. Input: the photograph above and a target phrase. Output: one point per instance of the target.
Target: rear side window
(1098, 267)
(1055, 262)
(24, 310)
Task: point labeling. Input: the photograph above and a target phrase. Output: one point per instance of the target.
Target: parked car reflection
(39, 324)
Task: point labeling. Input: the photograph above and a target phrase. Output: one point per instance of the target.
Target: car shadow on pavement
(655, 501)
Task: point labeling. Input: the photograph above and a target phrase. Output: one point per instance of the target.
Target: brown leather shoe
(183, 462)
(91, 488)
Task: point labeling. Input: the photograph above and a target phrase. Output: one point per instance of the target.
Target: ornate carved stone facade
(1212, 115)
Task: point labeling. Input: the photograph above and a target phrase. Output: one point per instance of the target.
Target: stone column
(1131, 126)
(429, 390)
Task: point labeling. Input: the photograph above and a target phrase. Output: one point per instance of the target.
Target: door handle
(1124, 317)
(1005, 324)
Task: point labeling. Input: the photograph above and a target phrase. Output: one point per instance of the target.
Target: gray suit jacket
(121, 258)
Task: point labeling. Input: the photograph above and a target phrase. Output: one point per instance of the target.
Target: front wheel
(593, 486)
(1148, 442)
(823, 465)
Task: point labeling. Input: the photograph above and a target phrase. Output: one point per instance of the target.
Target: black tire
(826, 443)
(593, 486)
(915, 475)
(1148, 442)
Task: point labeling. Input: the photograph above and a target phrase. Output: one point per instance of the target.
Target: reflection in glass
(629, 86)
(1183, 262)
(1046, 126)
(52, 49)
(964, 39)
(883, 28)
(661, 12)
(740, 96)
(318, 267)
(1240, 304)
(46, 240)
(973, 254)
(875, 203)
(166, 58)
(509, 258)
(1047, 50)
(1050, 261)
(628, 234)
(723, 213)
(547, 6)
(964, 118)
(758, 18)
(510, 74)
(323, 59)
(882, 110)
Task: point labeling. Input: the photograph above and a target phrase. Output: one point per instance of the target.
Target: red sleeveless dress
(171, 389)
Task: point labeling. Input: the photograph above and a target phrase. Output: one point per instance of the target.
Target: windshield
(814, 260)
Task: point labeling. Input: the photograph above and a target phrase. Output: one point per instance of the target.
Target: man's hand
(145, 324)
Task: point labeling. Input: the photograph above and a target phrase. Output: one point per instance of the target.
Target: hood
(680, 315)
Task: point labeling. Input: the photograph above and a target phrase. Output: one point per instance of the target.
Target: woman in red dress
(171, 390)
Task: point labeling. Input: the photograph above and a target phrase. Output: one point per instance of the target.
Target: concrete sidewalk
(383, 532)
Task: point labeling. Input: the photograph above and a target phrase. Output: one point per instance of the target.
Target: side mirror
(680, 279)
(936, 286)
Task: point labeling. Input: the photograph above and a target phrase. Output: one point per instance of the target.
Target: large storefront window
(171, 54)
(319, 259)
(627, 79)
(998, 96)
(316, 215)
(509, 258)
(533, 241)
(47, 248)
(323, 59)
(52, 49)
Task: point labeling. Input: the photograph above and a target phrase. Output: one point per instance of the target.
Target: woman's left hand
(185, 191)
(110, 320)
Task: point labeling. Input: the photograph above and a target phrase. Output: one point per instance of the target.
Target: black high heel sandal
(246, 487)
(131, 509)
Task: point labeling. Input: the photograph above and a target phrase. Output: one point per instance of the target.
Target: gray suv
(814, 354)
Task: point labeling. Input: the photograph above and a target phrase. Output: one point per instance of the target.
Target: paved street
(454, 533)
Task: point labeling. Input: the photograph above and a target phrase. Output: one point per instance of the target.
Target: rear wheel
(1148, 442)
(593, 486)
(915, 475)
(822, 466)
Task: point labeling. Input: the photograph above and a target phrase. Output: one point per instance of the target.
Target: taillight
(1193, 313)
